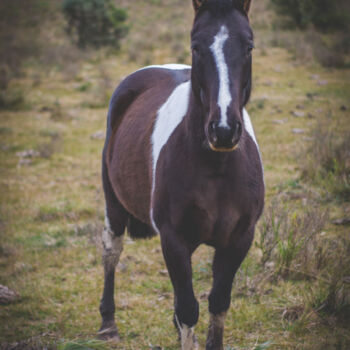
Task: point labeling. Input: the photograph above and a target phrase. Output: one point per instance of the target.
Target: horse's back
(133, 109)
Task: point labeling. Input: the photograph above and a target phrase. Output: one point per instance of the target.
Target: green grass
(51, 210)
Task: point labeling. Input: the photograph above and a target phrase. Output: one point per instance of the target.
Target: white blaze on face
(224, 98)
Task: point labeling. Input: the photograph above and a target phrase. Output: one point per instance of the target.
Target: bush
(326, 161)
(20, 22)
(95, 22)
(325, 15)
(290, 241)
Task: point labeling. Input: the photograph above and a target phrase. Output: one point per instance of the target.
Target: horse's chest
(210, 213)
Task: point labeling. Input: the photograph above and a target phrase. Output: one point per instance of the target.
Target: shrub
(325, 15)
(326, 161)
(20, 22)
(95, 22)
(290, 240)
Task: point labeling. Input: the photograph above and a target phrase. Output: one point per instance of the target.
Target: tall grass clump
(290, 240)
(326, 161)
(95, 23)
(294, 245)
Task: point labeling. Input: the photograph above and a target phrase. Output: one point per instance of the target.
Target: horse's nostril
(212, 126)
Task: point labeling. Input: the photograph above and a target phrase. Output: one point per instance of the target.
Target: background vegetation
(292, 291)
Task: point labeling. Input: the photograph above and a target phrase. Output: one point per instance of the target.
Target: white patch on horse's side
(173, 66)
(188, 339)
(224, 98)
(248, 126)
(169, 116)
(112, 245)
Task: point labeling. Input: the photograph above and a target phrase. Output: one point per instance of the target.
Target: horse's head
(222, 42)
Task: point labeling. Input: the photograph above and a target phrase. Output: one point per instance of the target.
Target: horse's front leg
(226, 263)
(177, 255)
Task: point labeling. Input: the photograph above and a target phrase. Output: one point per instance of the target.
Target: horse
(181, 161)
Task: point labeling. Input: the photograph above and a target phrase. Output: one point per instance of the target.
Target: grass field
(290, 293)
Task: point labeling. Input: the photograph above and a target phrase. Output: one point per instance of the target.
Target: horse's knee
(187, 311)
(219, 302)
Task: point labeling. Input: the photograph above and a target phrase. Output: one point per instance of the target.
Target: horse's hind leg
(226, 263)
(112, 238)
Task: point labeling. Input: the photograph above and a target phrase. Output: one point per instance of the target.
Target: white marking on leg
(112, 245)
(224, 98)
(216, 329)
(188, 339)
(168, 118)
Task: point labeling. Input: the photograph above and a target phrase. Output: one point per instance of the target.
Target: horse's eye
(195, 50)
(250, 49)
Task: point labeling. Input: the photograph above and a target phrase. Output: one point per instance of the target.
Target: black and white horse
(181, 160)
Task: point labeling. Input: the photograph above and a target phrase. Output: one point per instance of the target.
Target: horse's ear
(197, 4)
(246, 5)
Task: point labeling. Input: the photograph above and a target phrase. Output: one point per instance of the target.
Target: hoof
(109, 334)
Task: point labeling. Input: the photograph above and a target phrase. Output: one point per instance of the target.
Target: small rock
(298, 131)
(163, 272)
(29, 153)
(7, 295)
(297, 114)
(322, 82)
(278, 121)
(314, 76)
(310, 95)
(24, 162)
(267, 83)
(343, 108)
(98, 135)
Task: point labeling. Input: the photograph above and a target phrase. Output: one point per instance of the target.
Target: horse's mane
(219, 7)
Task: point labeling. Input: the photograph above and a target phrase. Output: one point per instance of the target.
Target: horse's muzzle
(224, 139)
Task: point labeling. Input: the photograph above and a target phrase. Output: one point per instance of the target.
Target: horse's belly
(129, 171)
